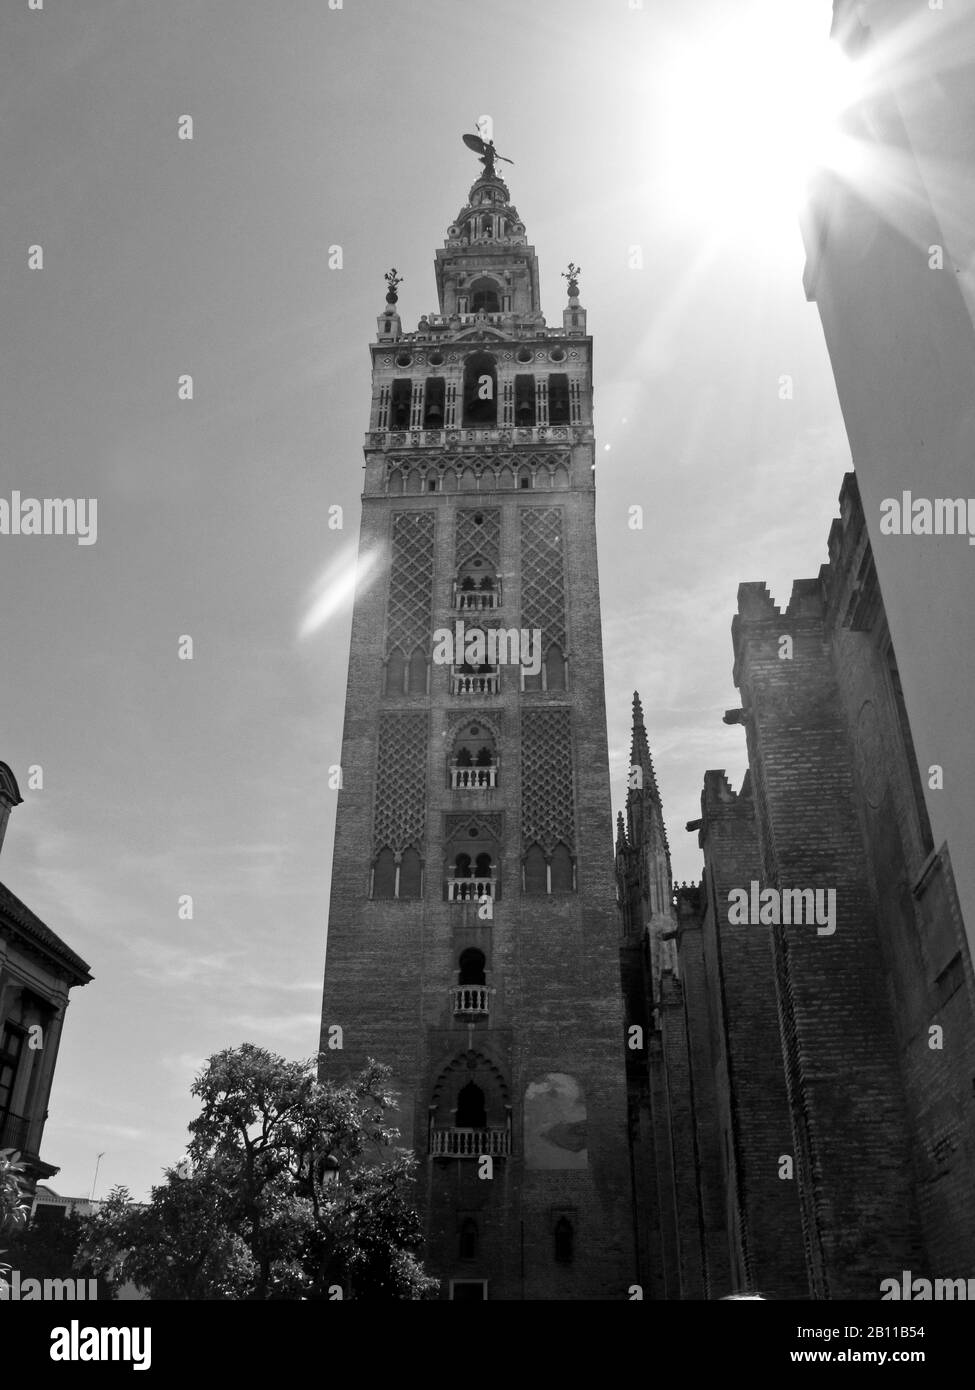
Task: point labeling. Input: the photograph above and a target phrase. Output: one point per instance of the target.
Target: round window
(524, 354)
(403, 359)
(436, 359)
(557, 354)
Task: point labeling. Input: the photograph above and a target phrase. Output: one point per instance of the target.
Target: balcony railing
(468, 779)
(478, 600)
(481, 683)
(470, 1143)
(471, 890)
(13, 1130)
(459, 436)
(472, 999)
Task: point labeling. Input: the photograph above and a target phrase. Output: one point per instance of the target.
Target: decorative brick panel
(401, 782)
(547, 802)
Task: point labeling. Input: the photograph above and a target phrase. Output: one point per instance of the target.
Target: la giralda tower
(473, 938)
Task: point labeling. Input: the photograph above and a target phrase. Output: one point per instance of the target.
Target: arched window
(536, 875)
(433, 409)
(554, 668)
(471, 967)
(471, 1110)
(468, 1239)
(399, 408)
(480, 390)
(418, 672)
(525, 401)
(395, 672)
(558, 399)
(561, 870)
(484, 292)
(462, 866)
(410, 877)
(384, 875)
(564, 1238)
(473, 748)
(482, 865)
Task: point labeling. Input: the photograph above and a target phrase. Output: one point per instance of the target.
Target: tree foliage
(47, 1248)
(15, 1202)
(254, 1212)
(15, 1197)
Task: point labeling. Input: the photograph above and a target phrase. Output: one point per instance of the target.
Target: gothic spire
(640, 751)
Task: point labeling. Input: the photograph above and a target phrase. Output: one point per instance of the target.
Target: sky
(660, 147)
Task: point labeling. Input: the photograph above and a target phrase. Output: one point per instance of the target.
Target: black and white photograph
(487, 732)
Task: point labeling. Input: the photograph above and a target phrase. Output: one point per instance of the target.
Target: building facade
(473, 938)
(818, 1063)
(890, 243)
(37, 970)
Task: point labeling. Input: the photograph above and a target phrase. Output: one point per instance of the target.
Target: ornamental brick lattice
(547, 800)
(542, 574)
(401, 781)
(410, 582)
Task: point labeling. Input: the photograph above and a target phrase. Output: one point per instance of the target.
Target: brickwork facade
(814, 1074)
(472, 930)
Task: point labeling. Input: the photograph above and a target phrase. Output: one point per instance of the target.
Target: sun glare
(337, 586)
(753, 108)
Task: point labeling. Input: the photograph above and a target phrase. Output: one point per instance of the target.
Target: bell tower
(473, 931)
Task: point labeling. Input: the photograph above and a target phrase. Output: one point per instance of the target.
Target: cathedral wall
(845, 1088)
(705, 1081)
(753, 1109)
(928, 975)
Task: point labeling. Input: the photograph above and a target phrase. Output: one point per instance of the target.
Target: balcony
(460, 437)
(476, 683)
(473, 779)
(476, 600)
(472, 999)
(471, 890)
(14, 1130)
(470, 1143)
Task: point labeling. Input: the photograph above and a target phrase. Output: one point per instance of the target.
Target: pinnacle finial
(392, 281)
(572, 275)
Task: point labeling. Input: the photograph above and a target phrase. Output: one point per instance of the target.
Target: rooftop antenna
(95, 1178)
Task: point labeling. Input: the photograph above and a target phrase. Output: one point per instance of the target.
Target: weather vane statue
(483, 144)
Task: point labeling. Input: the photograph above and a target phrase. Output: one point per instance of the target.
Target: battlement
(688, 900)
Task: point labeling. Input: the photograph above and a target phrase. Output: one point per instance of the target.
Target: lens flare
(337, 586)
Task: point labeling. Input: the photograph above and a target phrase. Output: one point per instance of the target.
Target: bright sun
(752, 108)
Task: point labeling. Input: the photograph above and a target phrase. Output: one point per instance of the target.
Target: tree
(254, 1211)
(46, 1248)
(15, 1202)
